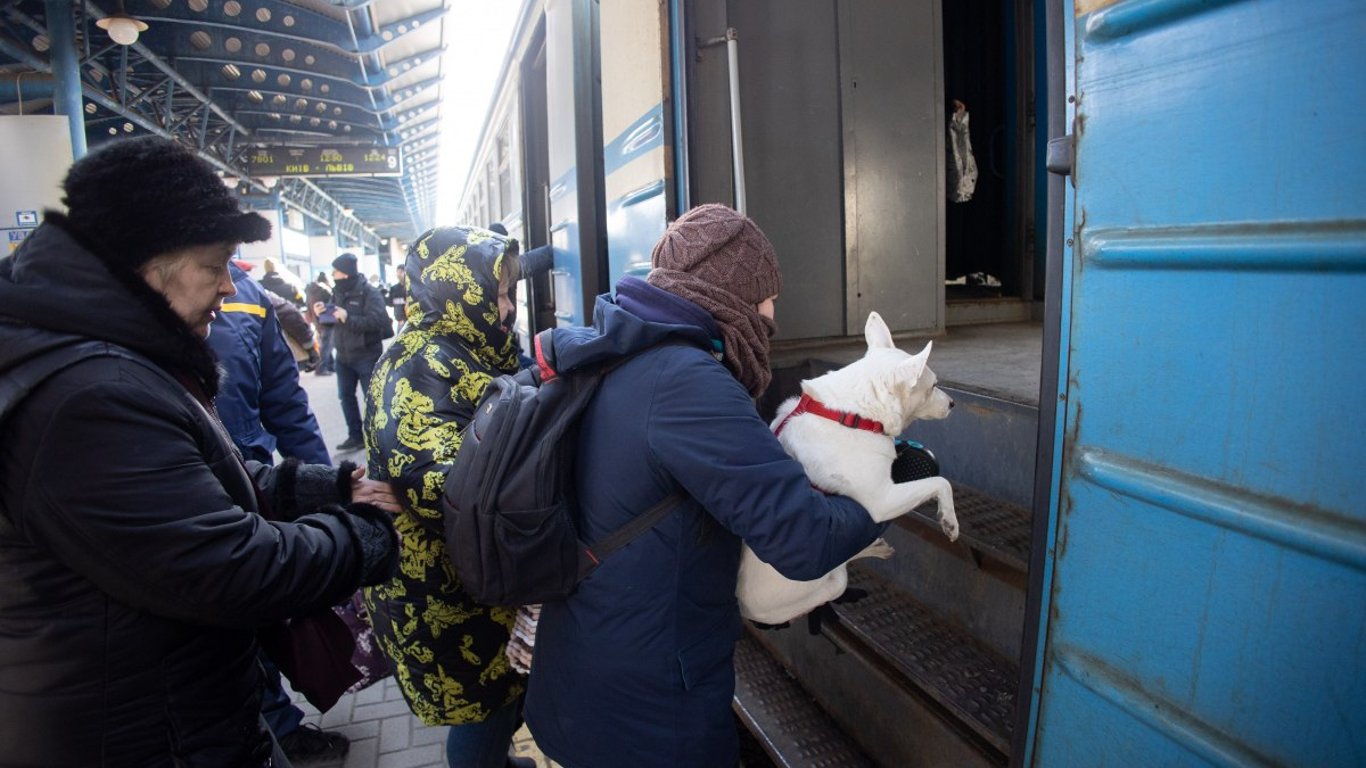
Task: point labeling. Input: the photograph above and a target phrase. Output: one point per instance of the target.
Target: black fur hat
(137, 198)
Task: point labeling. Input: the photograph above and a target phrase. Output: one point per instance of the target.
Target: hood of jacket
(54, 289)
(640, 317)
(453, 281)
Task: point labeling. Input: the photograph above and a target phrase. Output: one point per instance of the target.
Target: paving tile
(372, 695)
(428, 734)
(336, 716)
(368, 729)
(394, 733)
(433, 755)
(380, 711)
(363, 754)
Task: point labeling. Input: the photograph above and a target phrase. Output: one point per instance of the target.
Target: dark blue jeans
(276, 707)
(349, 374)
(484, 744)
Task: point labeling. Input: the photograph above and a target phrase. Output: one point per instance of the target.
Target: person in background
(139, 553)
(320, 292)
(299, 334)
(264, 408)
(635, 668)
(398, 296)
(260, 400)
(448, 651)
(361, 317)
(276, 283)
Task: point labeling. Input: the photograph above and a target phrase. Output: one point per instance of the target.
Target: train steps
(924, 670)
(787, 724)
(906, 680)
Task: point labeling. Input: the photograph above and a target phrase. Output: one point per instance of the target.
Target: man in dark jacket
(361, 321)
(319, 292)
(398, 295)
(135, 560)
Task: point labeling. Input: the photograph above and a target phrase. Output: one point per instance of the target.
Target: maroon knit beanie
(721, 261)
(724, 248)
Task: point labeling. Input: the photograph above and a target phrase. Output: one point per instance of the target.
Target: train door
(574, 148)
(843, 151)
(632, 54)
(536, 178)
(1209, 572)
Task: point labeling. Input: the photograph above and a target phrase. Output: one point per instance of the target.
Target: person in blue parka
(260, 400)
(635, 667)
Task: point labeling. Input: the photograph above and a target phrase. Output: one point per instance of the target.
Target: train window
(491, 177)
(504, 175)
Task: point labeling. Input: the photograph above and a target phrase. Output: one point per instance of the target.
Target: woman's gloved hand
(373, 530)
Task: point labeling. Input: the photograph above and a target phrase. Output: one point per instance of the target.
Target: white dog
(842, 431)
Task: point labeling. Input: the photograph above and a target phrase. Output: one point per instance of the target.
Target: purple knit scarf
(744, 332)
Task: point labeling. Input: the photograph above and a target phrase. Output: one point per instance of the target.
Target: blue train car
(1146, 310)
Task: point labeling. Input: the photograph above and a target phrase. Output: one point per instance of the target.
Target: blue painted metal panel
(567, 274)
(636, 219)
(1208, 596)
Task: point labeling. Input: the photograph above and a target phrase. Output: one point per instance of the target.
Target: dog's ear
(876, 333)
(912, 368)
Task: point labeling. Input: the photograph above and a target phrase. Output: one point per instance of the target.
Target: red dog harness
(816, 408)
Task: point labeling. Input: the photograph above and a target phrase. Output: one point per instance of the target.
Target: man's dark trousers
(349, 374)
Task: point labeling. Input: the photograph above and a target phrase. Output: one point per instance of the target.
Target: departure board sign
(323, 161)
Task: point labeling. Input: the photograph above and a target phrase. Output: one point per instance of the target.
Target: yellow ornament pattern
(448, 651)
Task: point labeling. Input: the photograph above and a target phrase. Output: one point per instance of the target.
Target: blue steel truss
(221, 76)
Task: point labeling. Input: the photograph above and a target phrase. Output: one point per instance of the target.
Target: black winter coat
(133, 566)
(360, 337)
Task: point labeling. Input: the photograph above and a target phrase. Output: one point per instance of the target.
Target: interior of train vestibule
(846, 154)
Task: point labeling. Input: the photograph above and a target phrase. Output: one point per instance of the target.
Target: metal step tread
(985, 525)
(792, 728)
(969, 680)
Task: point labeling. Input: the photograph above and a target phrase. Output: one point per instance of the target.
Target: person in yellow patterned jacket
(448, 651)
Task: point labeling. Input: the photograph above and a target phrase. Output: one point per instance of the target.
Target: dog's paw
(879, 549)
(949, 524)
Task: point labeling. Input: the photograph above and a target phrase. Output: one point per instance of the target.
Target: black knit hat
(138, 198)
(346, 263)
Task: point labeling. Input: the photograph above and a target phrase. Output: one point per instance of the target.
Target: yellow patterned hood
(453, 275)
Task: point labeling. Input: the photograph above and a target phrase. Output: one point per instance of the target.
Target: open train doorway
(990, 258)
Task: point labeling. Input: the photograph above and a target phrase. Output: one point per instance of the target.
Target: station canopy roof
(331, 108)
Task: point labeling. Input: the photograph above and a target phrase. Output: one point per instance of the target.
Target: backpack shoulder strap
(21, 380)
(591, 556)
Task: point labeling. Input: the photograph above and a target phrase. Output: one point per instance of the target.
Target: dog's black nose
(950, 403)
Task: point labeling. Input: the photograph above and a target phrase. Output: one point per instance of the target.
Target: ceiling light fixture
(122, 28)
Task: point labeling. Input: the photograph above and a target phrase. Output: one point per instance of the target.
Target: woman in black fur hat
(136, 558)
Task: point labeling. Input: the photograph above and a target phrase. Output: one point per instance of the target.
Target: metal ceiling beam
(170, 71)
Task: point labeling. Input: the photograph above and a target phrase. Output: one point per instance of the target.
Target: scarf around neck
(745, 333)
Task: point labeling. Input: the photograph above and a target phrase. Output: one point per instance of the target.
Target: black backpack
(509, 503)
